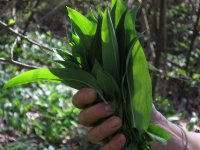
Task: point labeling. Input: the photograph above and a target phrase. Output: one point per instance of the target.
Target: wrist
(178, 135)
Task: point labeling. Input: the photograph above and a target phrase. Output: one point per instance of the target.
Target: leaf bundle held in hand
(106, 55)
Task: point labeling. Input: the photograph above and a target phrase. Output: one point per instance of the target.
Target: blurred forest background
(41, 116)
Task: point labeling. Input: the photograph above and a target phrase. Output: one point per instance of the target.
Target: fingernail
(114, 122)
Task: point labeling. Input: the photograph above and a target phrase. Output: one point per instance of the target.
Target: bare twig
(25, 37)
(12, 48)
(16, 63)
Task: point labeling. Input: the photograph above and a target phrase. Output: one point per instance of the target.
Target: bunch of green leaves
(106, 55)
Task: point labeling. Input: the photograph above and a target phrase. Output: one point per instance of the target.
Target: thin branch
(25, 37)
(12, 48)
(16, 63)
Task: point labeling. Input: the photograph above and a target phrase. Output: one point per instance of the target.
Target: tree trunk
(161, 42)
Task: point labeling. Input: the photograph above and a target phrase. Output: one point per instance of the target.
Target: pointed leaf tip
(86, 26)
(42, 74)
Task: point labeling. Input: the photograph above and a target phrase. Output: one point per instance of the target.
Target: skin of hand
(91, 113)
(84, 99)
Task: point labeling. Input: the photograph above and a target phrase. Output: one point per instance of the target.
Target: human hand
(92, 113)
(84, 99)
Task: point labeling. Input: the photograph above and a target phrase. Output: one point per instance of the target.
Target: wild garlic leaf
(95, 68)
(96, 47)
(76, 75)
(75, 78)
(67, 63)
(110, 51)
(74, 84)
(90, 15)
(79, 50)
(67, 56)
(100, 12)
(120, 33)
(129, 51)
(142, 93)
(158, 134)
(113, 3)
(116, 12)
(85, 29)
(112, 13)
(120, 10)
(130, 31)
(69, 75)
(127, 67)
(85, 25)
(43, 74)
(84, 41)
(108, 85)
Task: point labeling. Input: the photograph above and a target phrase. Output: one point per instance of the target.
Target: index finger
(84, 97)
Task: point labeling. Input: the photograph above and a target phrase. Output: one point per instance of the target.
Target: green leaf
(85, 25)
(67, 64)
(126, 29)
(117, 11)
(112, 13)
(182, 72)
(91, 16)
(120, 10)
(108, 85)
(130, 48)
(76, 78)
(120, 33)
(127, 55)
(85, 30)
(79, 50)
(125, 71)
(196, 76)
(95, 68)
(11, 22)
(141, 91)
(158, 134)
(130, 20)
(110, 52)
(96, 48)
(43, 74)
(113, 3)
(100, 12)
(67, 56)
